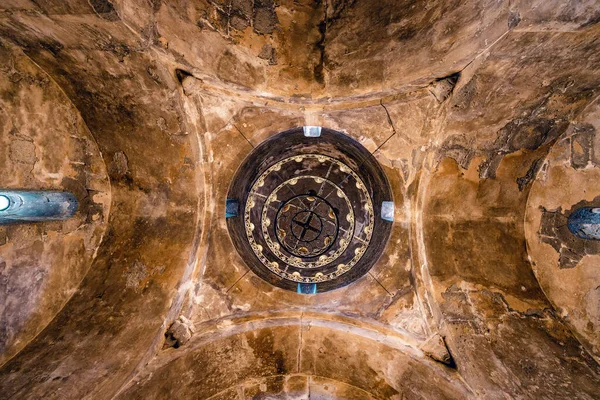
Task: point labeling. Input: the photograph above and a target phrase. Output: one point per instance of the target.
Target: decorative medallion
(308, 210)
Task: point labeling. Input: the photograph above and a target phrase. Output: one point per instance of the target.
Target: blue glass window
(307, 288)
(585, 223)
(231, 208)
(20, 206)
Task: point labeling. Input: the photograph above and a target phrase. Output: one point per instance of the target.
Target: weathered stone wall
(284, 353)
(44, 145)
(131, 107)
(566, 266)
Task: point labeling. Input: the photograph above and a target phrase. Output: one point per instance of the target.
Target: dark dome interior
(309, 210)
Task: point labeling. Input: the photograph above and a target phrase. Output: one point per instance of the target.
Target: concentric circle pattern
(308, 222)
(310, 213)
(307, 225)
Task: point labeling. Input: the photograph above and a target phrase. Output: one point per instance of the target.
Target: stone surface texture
(483, 114)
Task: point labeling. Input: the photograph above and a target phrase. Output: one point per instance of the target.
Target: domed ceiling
(301, 199)
(310, 210)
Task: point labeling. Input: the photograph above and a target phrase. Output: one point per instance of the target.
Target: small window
(585, 223)
(4, 202)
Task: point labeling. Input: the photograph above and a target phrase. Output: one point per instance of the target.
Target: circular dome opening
(4, 202)
(309, 210)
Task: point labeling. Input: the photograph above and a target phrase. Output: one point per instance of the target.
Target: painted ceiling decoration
(311, 209)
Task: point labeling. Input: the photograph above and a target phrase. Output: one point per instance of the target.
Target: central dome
(310, 209)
